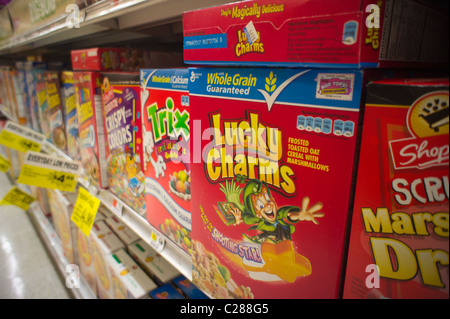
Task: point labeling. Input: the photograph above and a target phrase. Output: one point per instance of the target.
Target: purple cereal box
(123, 137)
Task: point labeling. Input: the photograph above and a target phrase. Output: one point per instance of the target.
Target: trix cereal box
(165, 110)
(56, 108)
(399, 236)
(70, 109)
(327, 33)
(272, 161)
(123, 133)
(90, 125)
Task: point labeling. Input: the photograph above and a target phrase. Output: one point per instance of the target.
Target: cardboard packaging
(345, 34)
(96, 59)
(272, 162)
(91, 127)
(61, 209)
(399, 237)
(159, 269)
(70, 110)
(167, 167)
(43, 111)
(85, 254)
(125, 233)
(166, 292)
(122, 59)
(127, 279)
(188, 288)
(123, 137)
(103, 243)
(57, 117)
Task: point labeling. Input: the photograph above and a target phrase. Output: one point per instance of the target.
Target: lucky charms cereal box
(272, 161)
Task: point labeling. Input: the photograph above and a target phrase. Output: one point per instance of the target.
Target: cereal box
(113, 59)
(327, 33)
(20, 89)
(128, 280)
(103, 242)
(399, 237)
(61, 209)
(96, 59)
(188, 288)
(123, 134)
(165, 102)
(90, 126)
(166, 292)
(272, 161)
(56, 108)
(125, 233)
(70, 110)
(158, 268)
(43, 111)
(31, 88)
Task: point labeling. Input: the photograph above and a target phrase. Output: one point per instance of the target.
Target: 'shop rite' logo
(428, 123)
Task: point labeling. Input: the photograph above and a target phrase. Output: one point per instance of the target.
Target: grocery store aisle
(26, 270)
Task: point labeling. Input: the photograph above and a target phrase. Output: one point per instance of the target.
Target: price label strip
(17, 197)
(4, 164)
(157, 242)
(49, 171)
(84, 211)
(21, 138)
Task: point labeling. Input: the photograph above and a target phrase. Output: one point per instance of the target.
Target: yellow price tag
(48, 171)
(84, 211)
(4, 164)
(21, 138)
(17, 197)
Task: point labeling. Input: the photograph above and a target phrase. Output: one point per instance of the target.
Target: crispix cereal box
(91, 127)
(272, 160)
(165, 111)
(399, 237)
(123, 137)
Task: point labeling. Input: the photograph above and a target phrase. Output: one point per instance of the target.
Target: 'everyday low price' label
(49, 171)
(17, 197)
(4, 164)
(84, 211)
(21, 138)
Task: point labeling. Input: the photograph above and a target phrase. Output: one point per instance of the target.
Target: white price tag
(157, 242)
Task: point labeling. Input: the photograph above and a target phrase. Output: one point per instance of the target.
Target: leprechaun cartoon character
(259, 209)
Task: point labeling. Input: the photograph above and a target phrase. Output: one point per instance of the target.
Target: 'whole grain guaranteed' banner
(49, 171)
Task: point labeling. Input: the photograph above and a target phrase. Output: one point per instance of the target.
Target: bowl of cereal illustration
(180, 184)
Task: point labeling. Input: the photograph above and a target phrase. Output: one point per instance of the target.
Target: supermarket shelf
(165, 247)
(105, 18)
(54, 246)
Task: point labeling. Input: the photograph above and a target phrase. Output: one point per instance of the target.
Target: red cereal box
(165, 101)
(96, 59)
(90, 123)
(272, 161)
(123, 133)
(326, 33)
(399, 237)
